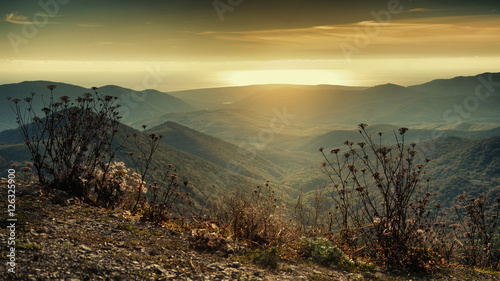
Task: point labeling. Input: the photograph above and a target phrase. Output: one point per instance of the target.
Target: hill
(463, 166)
(230, 124)
(206, 178)
(219, 152)
(238, 113)
(457, 166)
(218, 98)
(413, 135)
(135, 105)
(462, 85)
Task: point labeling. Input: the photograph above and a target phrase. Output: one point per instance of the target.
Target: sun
(284, 76)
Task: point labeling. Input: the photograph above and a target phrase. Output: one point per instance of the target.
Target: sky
(187, 44)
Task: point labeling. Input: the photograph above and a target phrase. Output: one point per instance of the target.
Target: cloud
(271, 36)
(427, 10)
(443, 35)
(17, 19)
(417, 10)
(20, 19)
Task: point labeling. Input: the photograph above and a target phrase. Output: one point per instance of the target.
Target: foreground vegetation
(376, 211)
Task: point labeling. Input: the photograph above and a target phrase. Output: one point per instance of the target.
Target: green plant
(28, 246)
(267, 258)
(323, 251)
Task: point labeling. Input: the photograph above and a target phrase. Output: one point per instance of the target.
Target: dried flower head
(403, 130)
(46, 110)
(335, 151)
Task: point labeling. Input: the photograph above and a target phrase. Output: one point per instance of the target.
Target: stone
(85, 248)
(258, 273)
(215, 266)
(235, 264)
(154, 252)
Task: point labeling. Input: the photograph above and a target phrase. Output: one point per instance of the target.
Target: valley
(239, 137)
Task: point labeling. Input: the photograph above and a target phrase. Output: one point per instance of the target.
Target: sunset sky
(186, 44)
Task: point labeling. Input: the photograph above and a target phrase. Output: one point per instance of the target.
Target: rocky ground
(62, 239)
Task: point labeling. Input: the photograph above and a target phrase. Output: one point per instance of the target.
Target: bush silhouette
(70, 140)
(381, 198)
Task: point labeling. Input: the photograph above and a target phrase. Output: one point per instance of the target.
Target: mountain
(462, 85)
(218, 98)
(230, 124)
(205, 177)
(239, 113)
(458, 166)
(219, 152)
(413, 135)
(462, 166)
(135, 105)
(285, 125)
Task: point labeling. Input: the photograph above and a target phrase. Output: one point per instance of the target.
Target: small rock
(154, 252)
(235, 264)
(45, 230)
(85, 248)
(107, 232)
(214, 266)
(229, 249)
(159, 269)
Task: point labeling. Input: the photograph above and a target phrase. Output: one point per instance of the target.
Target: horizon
(250, 85)
(183, 45)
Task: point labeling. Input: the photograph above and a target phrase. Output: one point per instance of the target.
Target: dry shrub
(381, 200)
(478, 231)
(257, 218)
(69, 140)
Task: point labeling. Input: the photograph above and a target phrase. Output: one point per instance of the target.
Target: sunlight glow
(284, 76)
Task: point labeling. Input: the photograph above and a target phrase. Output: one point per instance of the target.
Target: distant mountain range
(135, 105)
(235, 113)
(319, 109)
